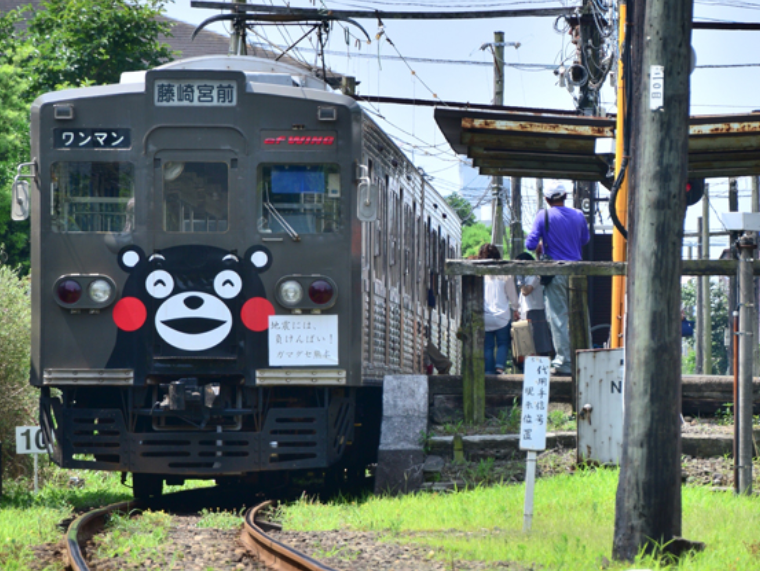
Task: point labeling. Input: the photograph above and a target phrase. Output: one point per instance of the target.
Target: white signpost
(31, 440)
(535, 414)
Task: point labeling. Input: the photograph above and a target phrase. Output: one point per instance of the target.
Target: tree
(719, 318)
(67, 43)
(463, 209)
(80, 42)
(473, 237)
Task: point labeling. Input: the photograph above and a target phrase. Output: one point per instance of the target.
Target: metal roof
(556, 144)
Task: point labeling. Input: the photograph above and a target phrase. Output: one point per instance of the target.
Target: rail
(87, 525)
(271, 552)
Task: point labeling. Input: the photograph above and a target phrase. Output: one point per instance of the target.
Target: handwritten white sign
(535, 403)
(303, 340)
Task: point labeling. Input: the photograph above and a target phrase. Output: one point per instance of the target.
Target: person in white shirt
(532, 309)
(500, 305)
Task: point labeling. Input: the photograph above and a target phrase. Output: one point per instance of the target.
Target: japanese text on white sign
(303, 340)
(535, 403)
(195, 92)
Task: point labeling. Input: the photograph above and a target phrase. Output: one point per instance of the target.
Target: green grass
(572, 525)
(221, 519)
(134, 538)
(27, 519)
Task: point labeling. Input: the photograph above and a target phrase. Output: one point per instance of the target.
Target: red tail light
(320, 292)
(69, 291)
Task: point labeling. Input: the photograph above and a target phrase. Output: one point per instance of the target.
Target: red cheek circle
(129, 314)
(255, 313)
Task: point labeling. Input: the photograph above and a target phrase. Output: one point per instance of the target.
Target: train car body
(227, 258)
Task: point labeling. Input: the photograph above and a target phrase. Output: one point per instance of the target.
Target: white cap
(554, 189)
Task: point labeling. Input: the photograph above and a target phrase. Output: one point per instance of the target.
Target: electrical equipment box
(600, 405)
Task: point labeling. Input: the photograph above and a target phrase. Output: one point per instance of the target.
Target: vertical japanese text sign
(535, 403)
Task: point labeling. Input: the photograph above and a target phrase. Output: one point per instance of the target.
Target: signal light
(69, 291)
(695, 190)
(320, 292)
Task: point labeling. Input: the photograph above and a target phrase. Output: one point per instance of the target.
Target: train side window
(195, 196)
(92, 196)
(306, 197)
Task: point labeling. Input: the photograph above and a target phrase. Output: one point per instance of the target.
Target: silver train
(227, 258)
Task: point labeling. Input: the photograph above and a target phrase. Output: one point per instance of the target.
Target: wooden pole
(580, 328)
(473, 357)
(648, 503)
(706, 296)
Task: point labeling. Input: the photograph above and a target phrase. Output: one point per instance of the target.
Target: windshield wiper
(281, 220)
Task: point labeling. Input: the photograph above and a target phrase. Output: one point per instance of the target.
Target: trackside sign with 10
(30, 440)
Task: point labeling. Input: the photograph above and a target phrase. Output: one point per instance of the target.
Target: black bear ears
(132, 257)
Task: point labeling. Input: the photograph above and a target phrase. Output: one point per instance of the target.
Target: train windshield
(195, 196)
(92, 196)
(305, 197)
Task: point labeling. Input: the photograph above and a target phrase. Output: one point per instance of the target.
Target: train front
(196, 254)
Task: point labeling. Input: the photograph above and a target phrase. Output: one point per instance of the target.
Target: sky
(714, 90)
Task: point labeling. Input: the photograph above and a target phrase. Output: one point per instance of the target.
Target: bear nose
(193, 301)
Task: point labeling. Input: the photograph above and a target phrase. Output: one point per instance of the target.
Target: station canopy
(540, 143)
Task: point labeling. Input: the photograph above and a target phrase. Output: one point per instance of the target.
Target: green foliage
(134, 538)
(18, 406)
(67, 43)
(93, 41)
(463, 208)
(719, 318)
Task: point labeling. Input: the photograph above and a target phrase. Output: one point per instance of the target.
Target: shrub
(18, 400)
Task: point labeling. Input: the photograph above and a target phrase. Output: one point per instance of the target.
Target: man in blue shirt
(567, 234)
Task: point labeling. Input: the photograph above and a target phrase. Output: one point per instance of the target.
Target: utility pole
(238, 45)
(754, 207)
(733, 206)
(497, 209)
(648, 504)
(706, 296)
(515, 228)
(699, 315)
(497, 182)
(747, 315)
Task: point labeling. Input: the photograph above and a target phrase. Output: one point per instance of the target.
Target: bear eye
(159, 284)
(227, 284)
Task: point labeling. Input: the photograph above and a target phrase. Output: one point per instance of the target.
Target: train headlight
(100, 291)
(69, 291)
(291, 292)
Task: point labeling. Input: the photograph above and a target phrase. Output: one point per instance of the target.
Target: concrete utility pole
(237, 37)
(648, 504)
(706, 296)
(747, 316)
(516, 236)
(733, 206)
(755, 207)
(497, 184)
(699, 315)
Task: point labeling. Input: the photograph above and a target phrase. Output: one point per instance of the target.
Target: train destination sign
(303, 340)
(103, 138)
(193, 92)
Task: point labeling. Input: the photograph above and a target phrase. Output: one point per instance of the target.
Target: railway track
(270, 552)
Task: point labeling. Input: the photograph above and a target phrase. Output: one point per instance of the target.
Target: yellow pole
(619, 245)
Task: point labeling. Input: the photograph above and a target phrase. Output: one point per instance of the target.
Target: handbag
(545, 280)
